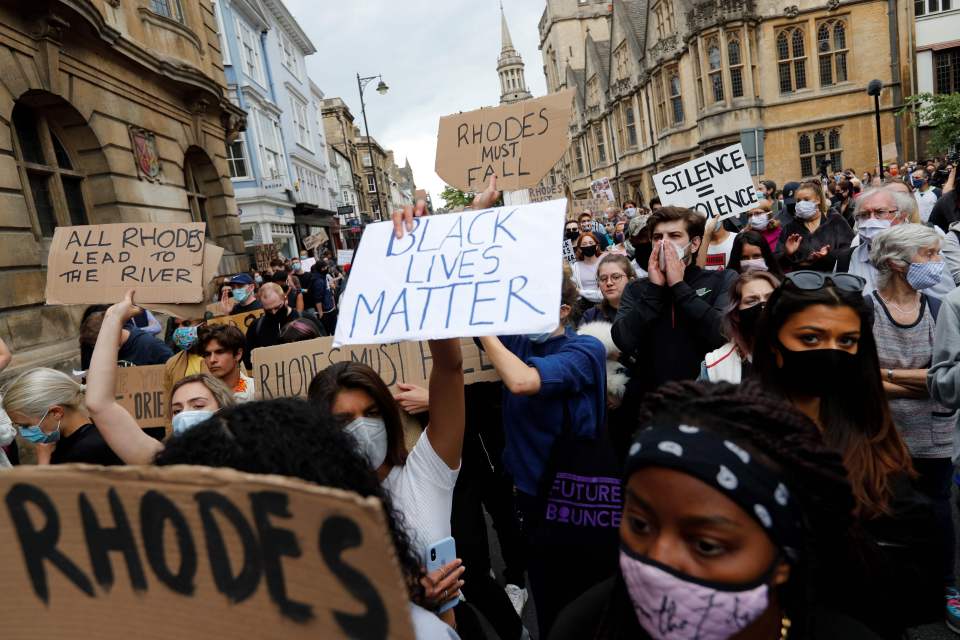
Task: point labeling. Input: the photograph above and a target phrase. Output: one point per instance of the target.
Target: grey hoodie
(943, 376)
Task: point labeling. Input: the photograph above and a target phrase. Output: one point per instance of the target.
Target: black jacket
(946, 211)
(265, 332)
(142, 348)
(833, 231)
(663, 332)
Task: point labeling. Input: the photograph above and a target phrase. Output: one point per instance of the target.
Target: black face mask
(571, 234)
(279, 313)
(642, 253)
(749, 318)
(816, 372)
(588, 252)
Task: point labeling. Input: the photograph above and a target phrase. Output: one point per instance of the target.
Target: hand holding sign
(125, 309)
(717, 184)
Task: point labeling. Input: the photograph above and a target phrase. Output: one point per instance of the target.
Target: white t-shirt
(585, 277)
(422, 490)
(925, 201)
(718, 255)
(427, 626)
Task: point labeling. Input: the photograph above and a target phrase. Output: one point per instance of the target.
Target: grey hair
(901, 243)
(33, 392)
(870, 194)
(907, 204)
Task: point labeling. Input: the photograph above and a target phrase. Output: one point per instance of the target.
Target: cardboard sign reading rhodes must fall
(98, 263)
(489, 272)
(157, 553)
(519, 143)
(717, 184)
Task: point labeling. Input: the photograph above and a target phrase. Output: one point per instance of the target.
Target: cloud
(437, 58)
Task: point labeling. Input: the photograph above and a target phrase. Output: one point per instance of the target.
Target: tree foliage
(455, 198)
(942, 113)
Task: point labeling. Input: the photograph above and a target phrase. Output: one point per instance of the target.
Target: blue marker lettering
(409, 267)
(411, 235)
(513, 294)
(464, 263)
(402, 298)
(378, 305)
(456, 231)
(499, 225)
(453, 267)
(477, 300)
(494, 258)
(423, 237)
(473, 222)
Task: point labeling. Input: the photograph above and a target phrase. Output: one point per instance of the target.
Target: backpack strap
(933, 304)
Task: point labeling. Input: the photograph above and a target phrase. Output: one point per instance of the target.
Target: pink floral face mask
(672, 606)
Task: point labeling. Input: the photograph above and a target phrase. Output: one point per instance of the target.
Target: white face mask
(681, 250)
(630, 212)
(759, 221)
(186, 420)
(756, 264)
(868, 229)
(805, 210)
(370, 434)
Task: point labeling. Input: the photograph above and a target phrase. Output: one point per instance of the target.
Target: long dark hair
(856, 419)
(291, 438)
(358, 376)
(754, 239)
(787, 443)
(730, 323)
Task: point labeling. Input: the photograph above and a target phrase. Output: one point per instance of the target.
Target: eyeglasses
(613, 277)
(814, 280)
(879, 214)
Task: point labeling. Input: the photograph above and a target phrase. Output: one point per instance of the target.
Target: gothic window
(697, 67)
(196, 196)
(578, 151)
(735, 60)
(237, 157)
(819, 149)
(715, 69)
(676, 100)
(661, 113)
(792, 59)
(630, 123)
(601, 146)
(946, 70)
(832, 51)
(168, 9)
(52, 185)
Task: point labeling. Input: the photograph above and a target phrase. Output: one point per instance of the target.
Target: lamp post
(873, 89)
(381, 89)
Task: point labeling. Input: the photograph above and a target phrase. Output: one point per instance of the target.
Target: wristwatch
(890, 375)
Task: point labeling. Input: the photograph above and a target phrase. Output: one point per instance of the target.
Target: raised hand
(792, 243)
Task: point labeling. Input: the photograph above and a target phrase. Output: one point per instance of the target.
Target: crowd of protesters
(738, 428)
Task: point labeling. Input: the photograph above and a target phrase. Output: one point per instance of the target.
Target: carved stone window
(792, 59)
(832, 51)
(735, 60)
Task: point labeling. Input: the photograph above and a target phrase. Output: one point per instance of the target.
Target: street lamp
(873, 89)
(382, 88)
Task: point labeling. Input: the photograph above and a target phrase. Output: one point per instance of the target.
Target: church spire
(505, 41)
(513, 85)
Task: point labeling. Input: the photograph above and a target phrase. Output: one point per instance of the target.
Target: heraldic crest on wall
(145, 155)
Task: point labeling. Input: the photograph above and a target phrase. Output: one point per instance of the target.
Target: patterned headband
(727, 467)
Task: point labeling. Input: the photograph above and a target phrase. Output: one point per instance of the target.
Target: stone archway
(208, 200)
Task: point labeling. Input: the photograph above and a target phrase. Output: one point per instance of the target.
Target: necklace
(784, 627)
(911, 308)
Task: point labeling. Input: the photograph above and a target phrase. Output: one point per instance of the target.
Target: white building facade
(938, 48)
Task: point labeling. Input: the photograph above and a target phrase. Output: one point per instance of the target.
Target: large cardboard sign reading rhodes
(156, 553)
(91, 264)
(286, 370)
(488, 272)
(718, 184)
(518, 143)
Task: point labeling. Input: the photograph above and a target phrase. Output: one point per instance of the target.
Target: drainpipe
(896, 86)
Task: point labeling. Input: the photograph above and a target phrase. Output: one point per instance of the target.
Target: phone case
(437, 555)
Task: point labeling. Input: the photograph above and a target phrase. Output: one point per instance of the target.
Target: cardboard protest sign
(596, 205)
(488, 272)
(211, 262)
(344, 256)
(91, 264)
(263, 254)
(286, 370)
(185, 552)
(542, 194)
(717, 184)
(140, 390)
(241, 321)
(568, 253)
(316, 239)
(602, 189)
(519, 143)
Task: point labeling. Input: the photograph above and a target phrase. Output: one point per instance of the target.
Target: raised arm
(118, 428)
(447, 405)
(520, 378)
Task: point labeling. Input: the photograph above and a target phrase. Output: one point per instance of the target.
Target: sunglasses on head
(806, 280)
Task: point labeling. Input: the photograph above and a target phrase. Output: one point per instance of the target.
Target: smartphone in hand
(438, 554)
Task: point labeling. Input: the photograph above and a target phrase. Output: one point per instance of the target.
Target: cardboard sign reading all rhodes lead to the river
(488, 272)
(519, 143)
(98, 263)
(718, 184)
(157, 553)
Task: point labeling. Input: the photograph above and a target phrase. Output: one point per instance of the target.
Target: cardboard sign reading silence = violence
(193, 552)
(717, 184)
(92, 264)
(286, 371)
(518, 143)
(488, 272)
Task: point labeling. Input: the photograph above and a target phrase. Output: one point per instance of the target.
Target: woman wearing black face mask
(588, 251)
(748, 296)
(814, 346)
(571, 231)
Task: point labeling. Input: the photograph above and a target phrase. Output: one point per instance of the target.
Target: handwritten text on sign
(233, 554)
(518, 143)
(718, 184)
(489, 272)
(98, 263)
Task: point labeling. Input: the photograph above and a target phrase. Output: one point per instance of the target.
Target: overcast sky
(437, 58)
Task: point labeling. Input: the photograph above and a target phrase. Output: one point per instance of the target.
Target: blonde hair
(220, 392)
(272, 287)
(32, 393)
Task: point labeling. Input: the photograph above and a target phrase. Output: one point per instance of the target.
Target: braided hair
(290, 437)
(788, 443)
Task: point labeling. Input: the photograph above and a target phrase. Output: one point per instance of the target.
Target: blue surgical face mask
(258, 279)
(923, 275)
(917, 182)
(186, 420)
(37, 435)
(240, 294)
(539, 338)
(185, 337)
(296, 266)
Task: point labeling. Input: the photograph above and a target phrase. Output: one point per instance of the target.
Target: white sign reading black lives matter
(718, 184)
